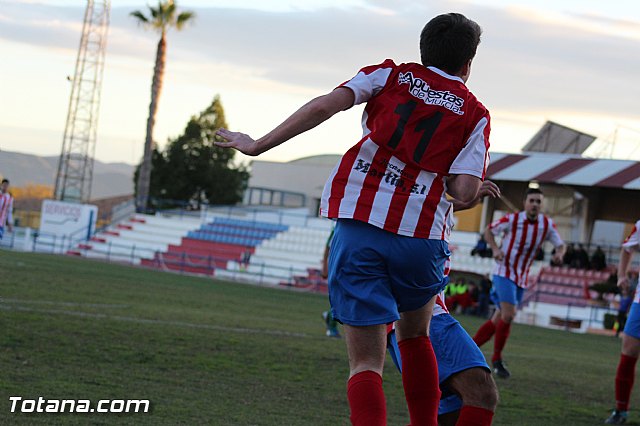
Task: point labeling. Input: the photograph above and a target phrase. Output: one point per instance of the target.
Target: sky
(574, 62)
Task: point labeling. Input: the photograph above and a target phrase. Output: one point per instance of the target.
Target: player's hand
(623, 284)
(488, 189)
(240, 141)
(498, 254)
(557, 258)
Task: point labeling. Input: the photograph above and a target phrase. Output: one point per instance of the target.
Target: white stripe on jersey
(382, 199)
(6, 205)
(412, 211)
(356, 180)
(632, 242)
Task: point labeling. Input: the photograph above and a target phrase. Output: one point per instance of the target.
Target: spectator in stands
(484, 289)
(581, 258)
(6, 208)
(246, 258)
(481, 249)
(567, 259)
(598, 260)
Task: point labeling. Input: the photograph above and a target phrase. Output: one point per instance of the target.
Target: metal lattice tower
(75, 167)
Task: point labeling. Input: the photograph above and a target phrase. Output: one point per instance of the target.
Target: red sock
(366, 399)
(502, 334)
(624, 381)
(484, 333)
(420, 380)
(474, 416)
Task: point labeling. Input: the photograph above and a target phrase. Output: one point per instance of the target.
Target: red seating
(561, 285)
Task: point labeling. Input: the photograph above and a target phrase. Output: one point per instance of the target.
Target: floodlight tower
(75, 167)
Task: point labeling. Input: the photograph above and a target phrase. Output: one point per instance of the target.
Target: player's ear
(466, 71)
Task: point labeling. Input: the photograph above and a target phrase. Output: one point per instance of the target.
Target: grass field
(210, 352)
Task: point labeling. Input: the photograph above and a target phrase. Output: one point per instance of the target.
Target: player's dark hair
(533, 191)
(4, 181)
(449, 41)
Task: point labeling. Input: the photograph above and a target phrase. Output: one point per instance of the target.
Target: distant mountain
(109, 179)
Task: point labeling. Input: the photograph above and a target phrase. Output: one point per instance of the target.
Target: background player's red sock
(366, 399)
(474, 416)
(502, 334)
(420, 380)
(624, 381)
(484, 333)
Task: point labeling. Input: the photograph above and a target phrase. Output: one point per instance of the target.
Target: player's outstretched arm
(487, 189)
(307, 117)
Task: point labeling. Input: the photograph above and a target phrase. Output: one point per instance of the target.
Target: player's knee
(477, 388)
(630, 346)
(508, 317)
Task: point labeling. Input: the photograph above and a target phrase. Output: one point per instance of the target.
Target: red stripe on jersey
(502, 220)
(429, 207)
(533, 249)
(339, 183)
(370, 186)
(390, 327)
(440, 303)
(400, 199)
(523, 241)
(507, 255)
(444, 224)
(633, 231)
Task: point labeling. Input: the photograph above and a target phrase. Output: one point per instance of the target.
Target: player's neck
(532, 218)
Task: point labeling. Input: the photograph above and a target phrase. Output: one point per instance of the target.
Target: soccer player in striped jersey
(631, 338)
(523, 234)
(6, 208)
(425, 135)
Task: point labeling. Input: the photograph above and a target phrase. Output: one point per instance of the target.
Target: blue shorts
(455, 352)
(505, 290)
(632, 327)
(375, 274)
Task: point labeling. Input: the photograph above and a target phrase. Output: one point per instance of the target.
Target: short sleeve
(369, 81)
(501, 225)
(632, 242)
(553, 236)
(473, 159)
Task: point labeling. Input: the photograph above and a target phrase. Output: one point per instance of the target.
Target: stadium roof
(564, 170)
(554, 137)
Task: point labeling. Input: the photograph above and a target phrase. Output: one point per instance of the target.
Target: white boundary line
(152, 321)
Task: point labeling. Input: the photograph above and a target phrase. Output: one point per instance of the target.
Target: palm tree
(159, 19)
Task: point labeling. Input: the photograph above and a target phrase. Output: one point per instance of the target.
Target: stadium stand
(563, 286)
(137, 238)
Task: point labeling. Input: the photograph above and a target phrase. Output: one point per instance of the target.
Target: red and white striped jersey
(420, 125)
(632, 242)
(520, 242)
(6, 209)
